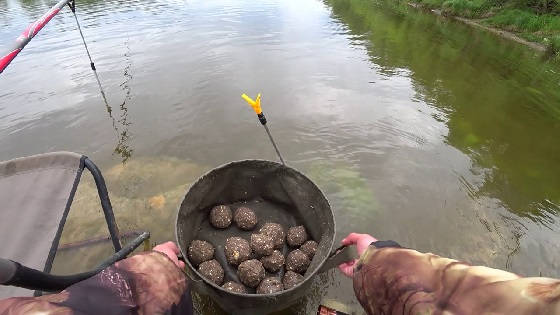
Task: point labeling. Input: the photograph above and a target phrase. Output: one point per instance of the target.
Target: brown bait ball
(212, 270)
(251, 272)
(297, 235)
(297, 261)
(237, 250)
(235, 287)
(276, 231)
(262, 244)
(245, 218)
(274, 262)
(270, 285)
(200, 251)
(220, 217)
(291, 279)
(309, 248)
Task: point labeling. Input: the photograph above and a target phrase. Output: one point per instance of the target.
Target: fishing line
(122, 148)
(72, 5)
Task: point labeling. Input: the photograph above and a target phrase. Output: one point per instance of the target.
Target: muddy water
(417, 128)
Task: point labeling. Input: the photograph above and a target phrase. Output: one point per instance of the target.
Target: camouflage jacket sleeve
(404, 281)
(147, 283)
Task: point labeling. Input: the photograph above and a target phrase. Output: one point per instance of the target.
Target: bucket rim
(245, 295)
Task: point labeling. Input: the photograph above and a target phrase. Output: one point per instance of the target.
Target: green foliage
(542, 28)
(553, 45)
(466, 8)
(537, 6)
(478, 8)
(521, 20)
(534, 20)
(432, 3)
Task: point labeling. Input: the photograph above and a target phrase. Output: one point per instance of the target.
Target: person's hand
(171, 250)
(362, 242)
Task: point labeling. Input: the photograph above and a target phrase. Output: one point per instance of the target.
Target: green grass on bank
(542, 28)
(534, 20)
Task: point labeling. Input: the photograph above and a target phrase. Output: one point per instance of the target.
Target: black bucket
(277, 193)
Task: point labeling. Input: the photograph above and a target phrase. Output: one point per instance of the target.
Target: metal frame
(28, 278)
(88, 164)
(105, 202)
(18, 275)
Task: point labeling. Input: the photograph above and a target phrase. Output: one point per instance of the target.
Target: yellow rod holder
(256, 105)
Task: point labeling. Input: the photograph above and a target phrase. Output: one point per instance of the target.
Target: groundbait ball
(251, 272)
(297, 235)
(309, 248)
(297, 261)
(212, 270)
(276, 231)
(270, 285)
(245, 218)
(220, 217)
(237, 250)
(291, 279)
(274, 262)
(262, 244)
(235, 287)
(200, 251)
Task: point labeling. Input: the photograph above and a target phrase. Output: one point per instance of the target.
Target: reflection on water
(500, 105)
(416, 128)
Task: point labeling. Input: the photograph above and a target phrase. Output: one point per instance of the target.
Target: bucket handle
(338, 256)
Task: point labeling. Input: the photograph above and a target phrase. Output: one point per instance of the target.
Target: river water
(417, 128)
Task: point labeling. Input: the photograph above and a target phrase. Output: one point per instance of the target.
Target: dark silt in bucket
(277, 193)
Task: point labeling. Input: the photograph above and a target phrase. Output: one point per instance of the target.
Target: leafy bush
(467, 8)
(520, 20)
(537, 6)
(553, 46)
(535, 20)
(432, 3)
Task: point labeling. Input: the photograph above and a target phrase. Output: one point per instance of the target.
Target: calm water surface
(417, 128)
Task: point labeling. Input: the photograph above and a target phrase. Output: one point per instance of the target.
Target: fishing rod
(256, 105)
(34, 28)
(29, 33)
